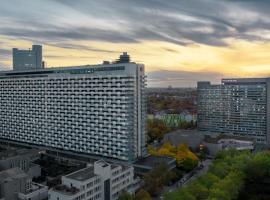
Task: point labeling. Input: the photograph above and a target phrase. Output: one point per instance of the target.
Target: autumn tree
(142, 195)
(185, 159)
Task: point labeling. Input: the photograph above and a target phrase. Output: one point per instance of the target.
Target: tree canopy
(185, 159)
(227, 177)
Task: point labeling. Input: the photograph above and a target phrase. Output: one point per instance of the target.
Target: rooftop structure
(31, 153)
(21, 158)
(13, 181)
(124, 58)
(82, 174)
(13, 173)
(36, 192)
(100, 181)
(15, 184)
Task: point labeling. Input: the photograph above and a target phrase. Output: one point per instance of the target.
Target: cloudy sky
(179, 41)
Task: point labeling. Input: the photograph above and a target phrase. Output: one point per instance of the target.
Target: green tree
(219, 194)
(182, 194)
(156, 179)
(258, 167)
(125, 196)
(198, 190)
(208, 180)
(219, 169)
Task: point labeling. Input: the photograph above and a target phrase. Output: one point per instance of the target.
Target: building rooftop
(216, 139)
(16, 152)
(192, 138)
(13, 173)
(82, 174)
(34, 187)
(66, 190)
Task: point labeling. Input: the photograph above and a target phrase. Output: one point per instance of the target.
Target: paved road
(187, 178)
(200, 172)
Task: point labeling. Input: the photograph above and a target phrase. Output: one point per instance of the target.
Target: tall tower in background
(27, 59)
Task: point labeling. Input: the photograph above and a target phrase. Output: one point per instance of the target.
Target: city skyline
(180, 42)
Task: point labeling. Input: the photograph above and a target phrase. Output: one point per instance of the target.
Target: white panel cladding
(93, 113)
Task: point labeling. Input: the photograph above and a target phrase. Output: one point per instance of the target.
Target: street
(187, 178)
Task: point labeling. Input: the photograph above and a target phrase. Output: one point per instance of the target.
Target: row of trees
(226, 177)
(185, 159)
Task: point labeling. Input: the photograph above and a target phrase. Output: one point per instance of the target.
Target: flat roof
(210, 139)
(82, 174)
(16, 152)
(192, 137)
(243, 80)
(12, 173)
(66, 190)
(69, 69)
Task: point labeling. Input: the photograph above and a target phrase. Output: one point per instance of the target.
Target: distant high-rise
(27, 59)
(237, 106)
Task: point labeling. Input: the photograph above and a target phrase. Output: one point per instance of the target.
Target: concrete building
(21, 158)
(238, 107)
(221, 142)
(28, 59)
(101, 181)
(16, 184)
(96, 110)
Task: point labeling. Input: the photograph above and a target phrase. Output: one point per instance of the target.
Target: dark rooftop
(66, 190)
(192, 138)
(210, 139)
(17, 152)
(82, 174)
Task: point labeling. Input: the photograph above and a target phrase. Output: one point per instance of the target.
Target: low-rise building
(96, 182)
(192, 138)
(21, 158)
(220, 142)
(16, 184)
(36, 192)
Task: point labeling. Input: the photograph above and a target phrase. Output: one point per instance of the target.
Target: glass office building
(97, 110)
(236, 106)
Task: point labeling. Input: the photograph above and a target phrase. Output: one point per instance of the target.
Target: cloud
(127, 21)
(231, 36)
(80, 47)
(4, 53)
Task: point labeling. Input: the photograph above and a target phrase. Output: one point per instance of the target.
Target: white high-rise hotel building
(97, 110)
